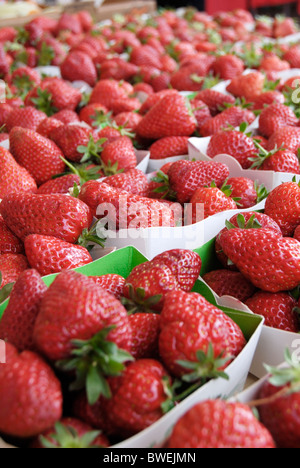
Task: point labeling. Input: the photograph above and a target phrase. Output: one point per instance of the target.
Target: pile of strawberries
(87, 364)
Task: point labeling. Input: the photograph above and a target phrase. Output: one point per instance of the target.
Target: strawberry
(9, 243)
(30, 395)
(106, 92)
(274, 117)
(74, 312)
(94, 415)
(245, 191)
(5, 110)
(13, 177)
(211, 200)
(201, 111)
(60, 184)
(39, 155)
(119, 155)
(17, 322)
(215, 100)
(145, 332)
(268, 260)
(245, 220)
(267, 98)
(66, 116)
(112, 283)
(229, 283)
(186, 176)
(56, 215)
(145, 55)
(189, 77)
(25, 117)
(219, 424)
(285, 137)
(283, 206)
(273, 63)
(133, 181)
(7, 34)
(68, 22)
(129, 410)
(50, 255)
(70, 433)
(173, 269)
(189, 329)
(169, 146)
(68, 138)
(129, 211)
(292, 56)
(231, 117)
(78, 66)
(25, 78)
(297, 233)
(154, 98)
(118, 69)
(128, 120)
(236, 143)
(47, 125)
(277, 160)
(247, 86)
(278, 403)
(90, 113)
(228, 66)
(277, 308)
(169, 117)
(52, 95)
(11, 266)
(283, 27)
(128, 104)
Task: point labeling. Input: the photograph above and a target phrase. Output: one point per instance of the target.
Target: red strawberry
(283, 206)
(60, 184)
(75, 308)
(201, 111)
(11, 266)
(66, 116)
(145, 332)
(117, 69)
(174, 269)
(68, 22)
(90, 113)
(245, 191)
(68, 138)
(53, 95)
(70, 433)
(274, 117)
(25, 117)
(228, 66)
(30, 394)
(277, 308)
(235, 143)
(201, 427)
(186, 176)
(16, 325)
(188, 327)
(128, 104)
(169, 146)
(55, 215)
(9, 243)
(106, 92)
(292, 56)
(267, 98)
(278, 403)
(130, 211)
(154, 98)
(47, 125)
(215, 100)
(283, 27)
(247, 86)
(112, 283)
(50, 255)
(131, 409)
(285, 137)
(211, 200)
(229, 283)
(79, 66)
(13, 177)
(39, 155)
(169, 117)
(268, 260)
(297, 233)
(5, 110)
(119, 154)
(128, 120)
(277, 160)
(232, 117)
(133, 181)
(273, 63)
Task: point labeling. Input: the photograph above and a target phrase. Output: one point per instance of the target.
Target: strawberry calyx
(252, 223)
(46, 55)
(92, 150)
(137, 303)
(206, 367)
(262, 155)
(101, 119)
(43, 102)
(261, 191)
(89, 236)
(5, 290)
(165, 188)
(65, 436)
(93, 360)
(84, 171)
